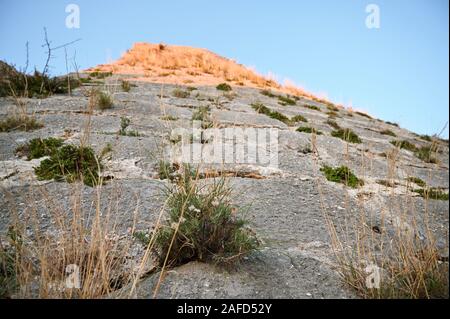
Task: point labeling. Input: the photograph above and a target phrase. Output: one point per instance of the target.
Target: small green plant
(268, 93)
(261, 108)
(404, 144)
(16, 83)
(393, 124)
(347, 135)
(39, 147)
(312, 107)
(298, 118)
(342, 175)
(181, 94)
(202, 225)
(224, 87)
(416, 180)
(280, 117)
(333, 124)
(285, 100)
(432, 193)
(143, 237)
(20, 123)
(100, 75)
(309, 130)
(124, 123)
(426, 138)
(102, 100)
(70, 163)
(388, 132)
(426, 154)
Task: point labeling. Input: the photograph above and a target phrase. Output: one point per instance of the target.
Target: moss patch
(285, 100)
(224, 87)
(388, 132)
(342, 175)
(404, 144)
(432, 193)
(298, 118)
(347, 135)
(416, 180)
(261, 108)
(309, 130)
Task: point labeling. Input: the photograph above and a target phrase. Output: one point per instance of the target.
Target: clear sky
(398, 72)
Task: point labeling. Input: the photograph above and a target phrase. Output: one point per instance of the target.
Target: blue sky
(399, 72)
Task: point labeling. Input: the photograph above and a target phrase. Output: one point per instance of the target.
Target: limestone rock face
(289, 201)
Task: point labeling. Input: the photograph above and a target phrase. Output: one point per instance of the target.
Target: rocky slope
(288, 206)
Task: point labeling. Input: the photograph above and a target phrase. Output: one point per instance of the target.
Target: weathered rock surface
(286, 207)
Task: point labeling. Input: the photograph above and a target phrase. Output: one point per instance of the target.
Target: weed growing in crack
(342, 175)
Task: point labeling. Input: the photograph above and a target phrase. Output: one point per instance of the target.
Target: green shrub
(404, 144)
(268, 93)
(364, 115)
(427, 138)
(309, 130)
(19, 123)
(261, 108)
(70, 163)
(312, 107)
(418, 181)
(224, 87)
(39, 147)
(426, 154)
(432, 193)
(388, 132)
(298, 118)
(32, 85)
(341, 175)
(181, 94)
(280, 117)
(285, 100)
(347, 135)
(202, 225)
